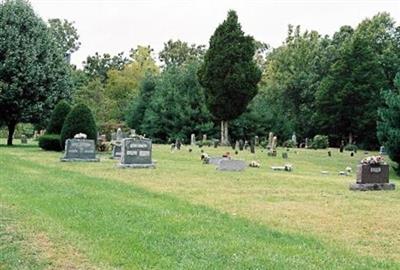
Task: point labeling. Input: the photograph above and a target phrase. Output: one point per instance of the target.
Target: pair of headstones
(136, 152)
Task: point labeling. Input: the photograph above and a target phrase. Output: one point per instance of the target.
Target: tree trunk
(224, 133)
(350, 138)
(11, 129)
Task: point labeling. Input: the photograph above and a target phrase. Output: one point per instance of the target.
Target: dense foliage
(320, 142)
(34, 75)
(66, 35)
(311, 84)
(332, 85)
(177, 106)
(58, 116)
(79, 120)
(50, 142)
(389, 123)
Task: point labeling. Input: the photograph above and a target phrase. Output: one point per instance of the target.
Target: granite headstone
(136, 152)
(80, 150)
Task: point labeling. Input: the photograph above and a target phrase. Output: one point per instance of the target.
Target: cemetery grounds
(187, 215)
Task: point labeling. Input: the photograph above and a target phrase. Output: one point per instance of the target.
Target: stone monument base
(79, 160)
(137, 166)
(372, 186)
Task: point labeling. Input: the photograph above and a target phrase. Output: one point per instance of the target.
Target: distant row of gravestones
(136, 152)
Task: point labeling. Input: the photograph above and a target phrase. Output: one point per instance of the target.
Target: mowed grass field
(186, 215)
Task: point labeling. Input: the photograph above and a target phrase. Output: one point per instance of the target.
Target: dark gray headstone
(80, 150)
(216, 142)
(178, 144)
(284, 155)
(241, 145)
(341, 146)
(116, 151)
(136, 153)
(252, 148)
(231, 165)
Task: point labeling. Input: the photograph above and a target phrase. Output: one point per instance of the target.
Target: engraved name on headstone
(136, 152)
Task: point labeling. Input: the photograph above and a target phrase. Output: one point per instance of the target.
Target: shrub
(50, 142)
(205, 143)
(289, 144)
(79, 120)
(58, 116)
(351, 147)
(320, 142)
(111, 126)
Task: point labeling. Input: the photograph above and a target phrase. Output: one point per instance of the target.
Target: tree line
(311, 84)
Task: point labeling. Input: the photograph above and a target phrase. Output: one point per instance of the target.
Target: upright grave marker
(270, 137)
(24, 139)
(116, 143)
(80, 149)
(192, 139)
(272, 150)
(136, 153)
(294, 139)
(372, 174)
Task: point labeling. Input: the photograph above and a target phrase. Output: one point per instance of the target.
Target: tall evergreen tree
(136, 112)
(388, 129)
(78, 120)
(177, 107)
(58, 116)
(229, 74)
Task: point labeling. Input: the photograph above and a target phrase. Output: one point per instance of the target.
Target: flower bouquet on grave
(80, 136)
(373, 161)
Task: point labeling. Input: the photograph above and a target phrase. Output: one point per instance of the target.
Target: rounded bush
(289, 144)
(320, 142)
(79, 120)
(58, 116)
(351, 147)
(50, 142)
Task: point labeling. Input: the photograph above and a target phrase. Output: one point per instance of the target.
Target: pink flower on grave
(373, 160)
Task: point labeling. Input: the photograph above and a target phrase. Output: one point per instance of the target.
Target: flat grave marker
(232, 165)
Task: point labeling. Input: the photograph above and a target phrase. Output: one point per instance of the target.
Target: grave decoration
(254, 164)
(372, 174)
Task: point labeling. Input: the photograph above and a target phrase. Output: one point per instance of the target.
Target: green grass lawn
(186, 215)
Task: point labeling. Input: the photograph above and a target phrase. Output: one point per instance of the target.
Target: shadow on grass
(130, 227)
(19, 146)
